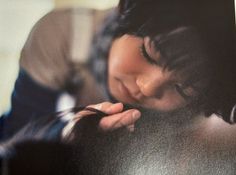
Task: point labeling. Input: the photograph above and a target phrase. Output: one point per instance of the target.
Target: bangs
(182, 51)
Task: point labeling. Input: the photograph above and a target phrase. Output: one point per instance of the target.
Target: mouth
(126, 93)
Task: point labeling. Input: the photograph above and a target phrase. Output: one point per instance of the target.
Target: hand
(117, 117)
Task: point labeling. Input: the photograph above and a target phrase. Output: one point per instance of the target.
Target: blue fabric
(29, 99)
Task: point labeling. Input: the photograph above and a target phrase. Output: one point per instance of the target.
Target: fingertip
(136, 114)
(97, 106)
(117, 107)
(120, 105)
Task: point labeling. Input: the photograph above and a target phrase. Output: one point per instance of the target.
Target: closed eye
(146, 56)
(186, 93)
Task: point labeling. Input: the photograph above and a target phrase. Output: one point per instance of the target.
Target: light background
(17, 17)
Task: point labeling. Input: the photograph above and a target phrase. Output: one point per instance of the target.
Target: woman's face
(134, 76)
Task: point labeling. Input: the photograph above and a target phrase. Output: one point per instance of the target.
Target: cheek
(169, 102)
(119, 64)
(124, 62)
(125, 56)
(173, 101)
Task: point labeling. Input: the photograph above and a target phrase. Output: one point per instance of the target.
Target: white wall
(16, 19)
(96, 4)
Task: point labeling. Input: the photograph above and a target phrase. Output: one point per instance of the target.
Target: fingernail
(136, 115)
(98, 106)
(111, 108)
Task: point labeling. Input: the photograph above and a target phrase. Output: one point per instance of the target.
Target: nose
(151, 86)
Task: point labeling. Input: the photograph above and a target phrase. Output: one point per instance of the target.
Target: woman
(164, 55)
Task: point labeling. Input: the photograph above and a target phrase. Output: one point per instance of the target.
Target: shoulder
(57, 17)
(46, 52)
(55, 25)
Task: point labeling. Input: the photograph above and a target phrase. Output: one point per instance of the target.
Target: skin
(144, 80)
(117, 118)
(134, 80)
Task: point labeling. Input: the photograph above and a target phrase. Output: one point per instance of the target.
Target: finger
(127, 120)
(114, 108)
(101, 106)
(105, 107)
(116, 121)
(83, 113)
(108, 107)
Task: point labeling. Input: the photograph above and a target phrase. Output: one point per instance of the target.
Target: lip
(127, 93)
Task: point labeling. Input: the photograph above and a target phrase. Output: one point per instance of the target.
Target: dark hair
(196, 39)
(47, 144)
(161, 143)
